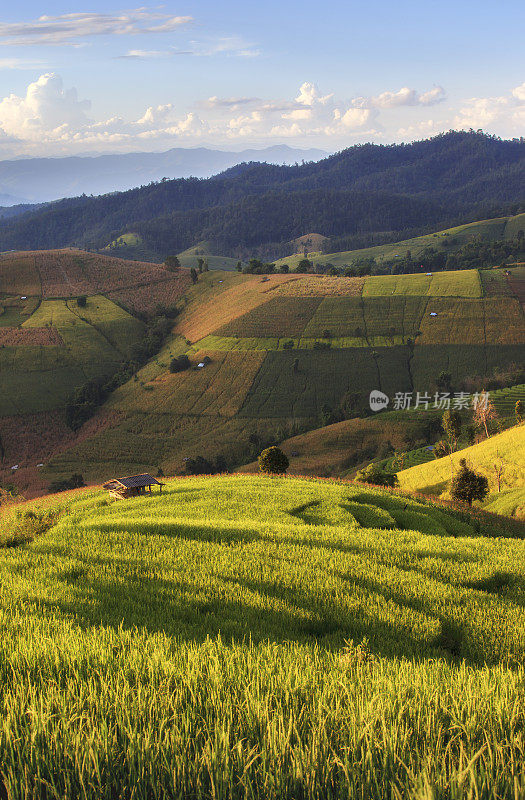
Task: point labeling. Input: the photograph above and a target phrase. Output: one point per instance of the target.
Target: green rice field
(261, 637)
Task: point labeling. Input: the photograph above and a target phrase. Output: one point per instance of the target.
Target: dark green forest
(365, 194)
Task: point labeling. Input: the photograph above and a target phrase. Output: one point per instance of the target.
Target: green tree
(172, 263)
(468, 485)
(273, 461)
(82, 301)
(451, 424)
(200, 264)
(378, 477)
(303, 265)
(519, 410)
(194, 275)
(444, 381)
(180, 363)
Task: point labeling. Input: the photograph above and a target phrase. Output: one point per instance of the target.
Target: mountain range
(252, 208)
(39, 180)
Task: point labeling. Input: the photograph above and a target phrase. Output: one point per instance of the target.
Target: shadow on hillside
(114, 591)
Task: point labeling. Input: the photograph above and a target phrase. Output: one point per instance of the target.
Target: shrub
(74, 482)
(24, 526)
(172, 263)
(180, 363)
(468, 485)
(82, 301)
(273, 461)
(377, 476)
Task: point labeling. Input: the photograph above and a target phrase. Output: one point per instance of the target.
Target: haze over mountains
(38, 180)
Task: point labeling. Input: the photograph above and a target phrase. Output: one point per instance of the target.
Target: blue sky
(101, 78)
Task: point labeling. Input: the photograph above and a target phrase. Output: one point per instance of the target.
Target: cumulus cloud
(69, 29)
(519, 92)
(309, 95)
(403, 97)
(46, 108)
(51, 118)
(503, 114)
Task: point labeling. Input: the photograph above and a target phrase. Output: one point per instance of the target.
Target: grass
(450, 240)
(219, 388)
(95, 339)
(510, 503)
(323, 377)
(249, 637)
(288, 315)
(19, 275)
(507, 448)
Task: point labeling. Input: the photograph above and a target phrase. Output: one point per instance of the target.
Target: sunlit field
(262, 637)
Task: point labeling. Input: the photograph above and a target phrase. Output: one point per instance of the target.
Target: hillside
(506, 449)
(289, 353)
(50, 344)
(257, 635)
(449, 241)
(362, 191)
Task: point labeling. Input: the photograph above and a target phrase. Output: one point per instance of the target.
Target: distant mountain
(253, 208)
(42, 179)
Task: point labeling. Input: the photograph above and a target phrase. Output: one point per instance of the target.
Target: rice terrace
(262, 407)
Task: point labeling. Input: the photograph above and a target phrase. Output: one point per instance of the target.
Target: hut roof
(133, 481)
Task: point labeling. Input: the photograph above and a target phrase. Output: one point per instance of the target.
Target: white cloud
(478, 112)
(354, 117)
(49, 118)
(309, 95)
(229, 102)
(69, 29)
(223, 45)
(46, 108)
(140, 55)
(519, 92)
(403, 97)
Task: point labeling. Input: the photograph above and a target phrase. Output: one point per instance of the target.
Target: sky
(107, 77)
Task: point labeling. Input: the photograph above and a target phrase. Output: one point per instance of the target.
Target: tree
(468, 485)
(200, 264)
(451, 424)
(238, 266)
(295, 365)
(484, 412)
(273, 461)
(519, 410)
(444, 381)
(180, 363)
(82, 301)
(172, 263)
(194, 276)
(303, 265)
(499, 468)
(377, 476)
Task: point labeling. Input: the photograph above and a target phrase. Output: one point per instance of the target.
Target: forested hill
(362, 190)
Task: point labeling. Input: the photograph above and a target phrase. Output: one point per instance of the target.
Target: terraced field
(257, 637)
(287, 352)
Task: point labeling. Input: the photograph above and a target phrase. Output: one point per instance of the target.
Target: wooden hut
(131, 486)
